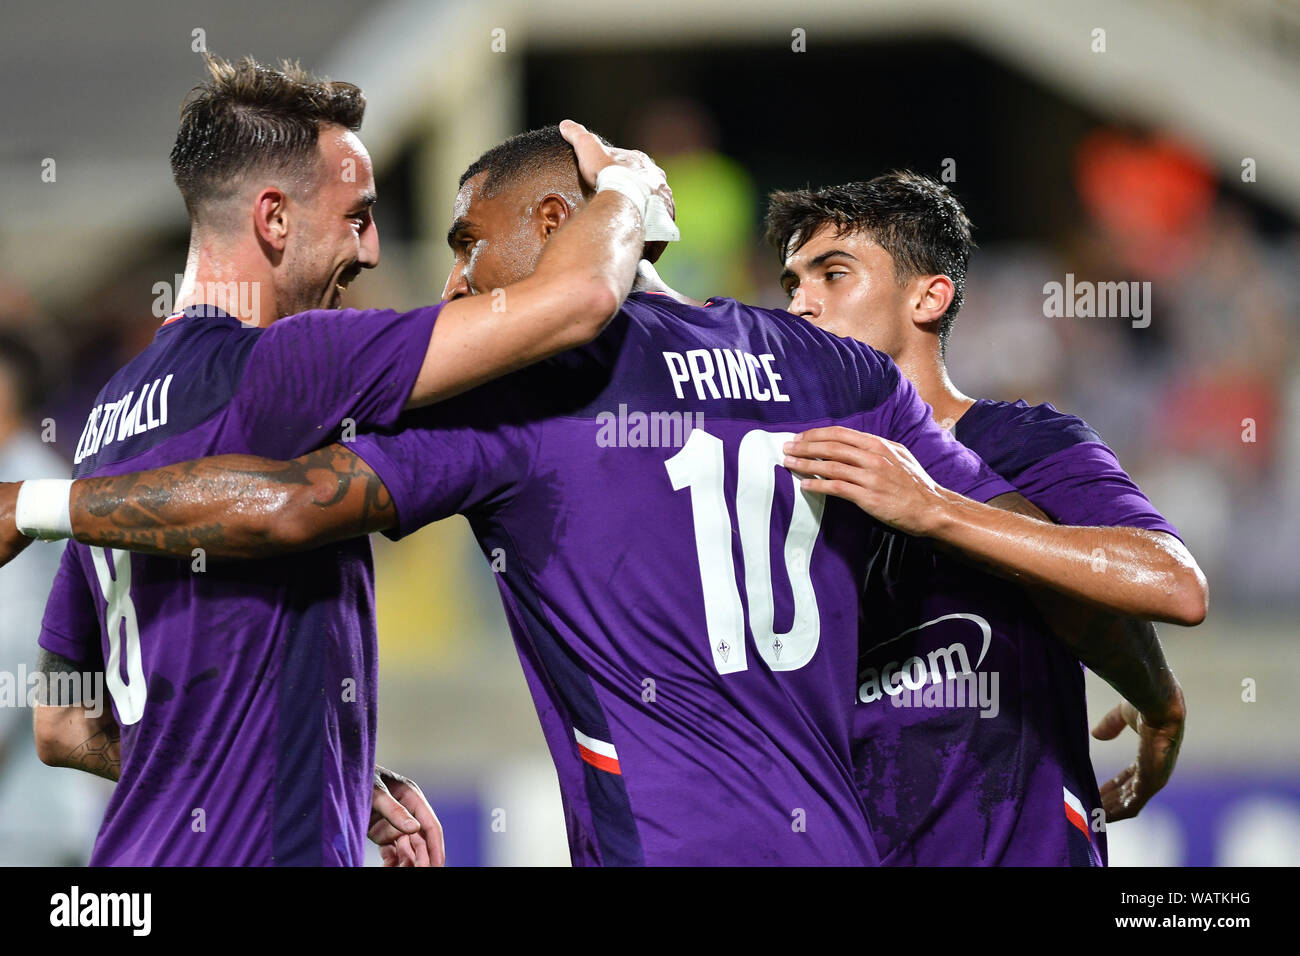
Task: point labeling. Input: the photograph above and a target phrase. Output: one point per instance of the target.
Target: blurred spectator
(715, 197)
(48, 816)
(1201, 406)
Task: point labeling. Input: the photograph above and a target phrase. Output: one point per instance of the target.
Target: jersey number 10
(700, 467)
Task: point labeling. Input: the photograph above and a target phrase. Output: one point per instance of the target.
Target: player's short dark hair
(248, 117)
(521, 157)
(916, 220)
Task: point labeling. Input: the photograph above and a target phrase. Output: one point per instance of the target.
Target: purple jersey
(245, 690)
(971, 729)
(686, 617)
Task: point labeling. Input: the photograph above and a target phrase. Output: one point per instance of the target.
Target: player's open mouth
(344, 281)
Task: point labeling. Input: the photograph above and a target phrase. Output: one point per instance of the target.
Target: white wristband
(44, 508)
(656, 224)
(622, 180)
(659, 225)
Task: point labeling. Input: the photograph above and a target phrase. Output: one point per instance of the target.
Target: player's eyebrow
(458, 226)
(787, 274)
(364, 202)
(830, 254)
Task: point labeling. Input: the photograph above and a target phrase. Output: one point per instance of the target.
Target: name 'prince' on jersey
(686, 616)
(245, 692)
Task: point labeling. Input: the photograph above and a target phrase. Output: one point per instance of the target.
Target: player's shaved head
(540, 160)
(249, 119)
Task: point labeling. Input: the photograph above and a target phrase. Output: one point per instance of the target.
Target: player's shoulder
(315, 321)
(848, 376)
(655, 310)
(208, 348)
(191, 369)
(1011, 436)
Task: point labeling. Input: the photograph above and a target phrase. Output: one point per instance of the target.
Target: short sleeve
(309, 374)
(1085, 485)
(910, 421)
(466, 454)
(71, 627)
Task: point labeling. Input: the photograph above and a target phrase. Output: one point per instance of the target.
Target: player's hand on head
(403, 824)
(12, 541)
(1159, 738)
(594, 156)
(880, 476)
(649, 171)
(657, 180)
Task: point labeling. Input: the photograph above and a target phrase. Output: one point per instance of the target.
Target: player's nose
(803, 305)
(457, 285)
(368, 256)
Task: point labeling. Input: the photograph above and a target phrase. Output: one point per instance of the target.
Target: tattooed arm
(231, 506)
(76, 733)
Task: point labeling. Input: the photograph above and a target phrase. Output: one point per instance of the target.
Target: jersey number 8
(120, 617)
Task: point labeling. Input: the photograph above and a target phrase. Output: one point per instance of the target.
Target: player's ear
(552, 213)
(933, 296)
(271, 217)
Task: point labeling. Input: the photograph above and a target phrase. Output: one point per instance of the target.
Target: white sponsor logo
(941, 678)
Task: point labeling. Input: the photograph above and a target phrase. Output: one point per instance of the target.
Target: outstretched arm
(231, 506)
(1130, 571)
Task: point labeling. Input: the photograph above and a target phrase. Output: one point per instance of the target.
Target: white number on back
(700, 467)
(120, 620)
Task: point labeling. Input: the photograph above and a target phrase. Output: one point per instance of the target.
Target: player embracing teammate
(243, 696)
(948, 776)
(727, 571)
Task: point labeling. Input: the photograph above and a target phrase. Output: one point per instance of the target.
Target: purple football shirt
(245, 690)
(970, 734)
(686, 617)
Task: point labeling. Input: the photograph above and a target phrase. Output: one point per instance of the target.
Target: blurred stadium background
(1171, 156)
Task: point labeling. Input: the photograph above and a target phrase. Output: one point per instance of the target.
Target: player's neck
(926, 370)
(648, 280)
(236, 284)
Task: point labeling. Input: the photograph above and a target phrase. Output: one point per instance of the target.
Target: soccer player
(244, 695)
(686, 617)
(976, 777)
